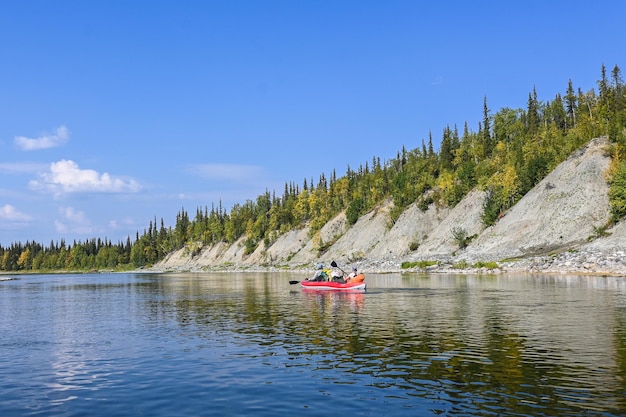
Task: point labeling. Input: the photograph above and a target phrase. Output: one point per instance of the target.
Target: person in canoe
(320, 274)
(352, 274)
(355, 276)
(338, 276)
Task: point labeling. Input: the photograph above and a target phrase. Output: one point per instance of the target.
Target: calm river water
(252, 345)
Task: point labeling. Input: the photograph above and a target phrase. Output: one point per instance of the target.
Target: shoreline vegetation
(540, 188)
(567, 263)
(608, 264)
(608, 261)
(604, 264)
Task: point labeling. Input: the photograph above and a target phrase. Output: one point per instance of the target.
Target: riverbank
(581, 262)
(577, 262)
(563, 225)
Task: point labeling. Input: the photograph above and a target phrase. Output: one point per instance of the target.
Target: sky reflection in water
(235, 344)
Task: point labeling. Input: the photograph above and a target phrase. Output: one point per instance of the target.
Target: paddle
(334, 265)
(293, 282)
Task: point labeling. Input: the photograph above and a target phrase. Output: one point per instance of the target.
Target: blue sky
(117, 112)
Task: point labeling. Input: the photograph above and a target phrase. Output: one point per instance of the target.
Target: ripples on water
(251, 344)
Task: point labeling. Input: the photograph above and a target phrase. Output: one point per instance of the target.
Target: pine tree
(570, 105)
(486, 130)
(532, 115)
(617, 107)
(446, 150)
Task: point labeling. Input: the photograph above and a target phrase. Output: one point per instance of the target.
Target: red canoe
(357, 283)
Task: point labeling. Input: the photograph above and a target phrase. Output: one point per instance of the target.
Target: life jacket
(358, 278)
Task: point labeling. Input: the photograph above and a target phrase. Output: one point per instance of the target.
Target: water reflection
(334, 303)
(419, 344)
(536, 345)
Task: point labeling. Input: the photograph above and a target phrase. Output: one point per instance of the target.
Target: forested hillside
(510, 151)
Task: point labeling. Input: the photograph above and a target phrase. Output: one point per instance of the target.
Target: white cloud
(10, 213)
(74, 221)
(227, 172)
(58, 138)
(12, 219)
(66, 177)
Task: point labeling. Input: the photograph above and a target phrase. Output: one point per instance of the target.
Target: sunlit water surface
(252, 344)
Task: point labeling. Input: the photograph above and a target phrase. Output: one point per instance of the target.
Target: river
(235, 344)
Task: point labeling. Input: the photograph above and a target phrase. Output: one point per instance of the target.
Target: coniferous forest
(509, 152)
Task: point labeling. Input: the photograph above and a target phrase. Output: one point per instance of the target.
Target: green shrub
(356, 256)
(461, 265)
(250, 246)
(488, 265)
(492, 206)
(598, 232)
(460, 236)
(424, 202)
(394, 214)
(354, 211)
(418, 264)
(617, 192)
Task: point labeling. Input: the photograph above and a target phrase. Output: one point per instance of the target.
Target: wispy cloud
(227, 172)
(74, 221)
(65, 176)
(126, 223)
(47, 140)
(11, 218)
(10, 213)
(21, 167)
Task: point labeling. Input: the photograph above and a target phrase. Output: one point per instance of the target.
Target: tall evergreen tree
(486, 129)
(532, 114)
(570, 105)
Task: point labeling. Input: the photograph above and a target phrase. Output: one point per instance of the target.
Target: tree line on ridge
(509, 153)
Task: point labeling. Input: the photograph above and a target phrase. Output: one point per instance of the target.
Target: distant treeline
(511, 151)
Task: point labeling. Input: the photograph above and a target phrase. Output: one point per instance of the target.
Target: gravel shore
(585, 262)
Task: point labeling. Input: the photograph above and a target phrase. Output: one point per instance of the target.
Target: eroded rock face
(558, 213)
(561, 213)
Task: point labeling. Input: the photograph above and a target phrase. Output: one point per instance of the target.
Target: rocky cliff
(553, 228)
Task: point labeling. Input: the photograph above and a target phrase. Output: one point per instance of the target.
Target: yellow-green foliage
(461, 265)
(418, 264)
(617, 191)
(487, 265)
